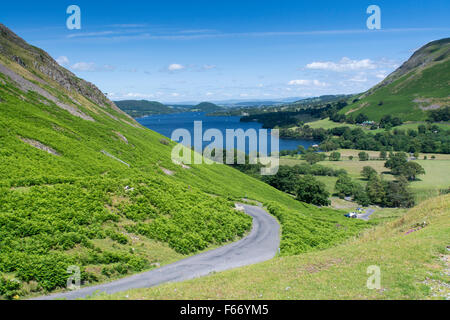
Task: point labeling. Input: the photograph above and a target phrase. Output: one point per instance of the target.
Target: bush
(335, 156)
(9, 288)
(363, 156)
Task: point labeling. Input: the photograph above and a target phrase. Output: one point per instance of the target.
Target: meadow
(436, 179)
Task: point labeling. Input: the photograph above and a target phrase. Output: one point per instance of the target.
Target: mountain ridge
(420, 84)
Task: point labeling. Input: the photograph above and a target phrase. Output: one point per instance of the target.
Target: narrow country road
(260, 245)
(366, 216)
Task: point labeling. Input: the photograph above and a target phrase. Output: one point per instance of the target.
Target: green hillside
(82, 183)
(421, 84)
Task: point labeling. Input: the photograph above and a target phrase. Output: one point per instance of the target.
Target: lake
(165, 124)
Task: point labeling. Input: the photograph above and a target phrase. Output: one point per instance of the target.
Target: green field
(412, 266)
(437, 175)
(328, 124)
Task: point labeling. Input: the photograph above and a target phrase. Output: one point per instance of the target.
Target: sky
(192, 51)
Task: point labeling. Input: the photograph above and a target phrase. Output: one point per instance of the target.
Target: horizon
(177, 52)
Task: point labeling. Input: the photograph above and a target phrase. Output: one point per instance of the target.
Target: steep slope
(421, 84)
(82, 184)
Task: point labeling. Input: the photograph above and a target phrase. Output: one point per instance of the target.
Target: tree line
(428, 138)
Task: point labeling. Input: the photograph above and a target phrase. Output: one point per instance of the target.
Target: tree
(335, 156)
(285, 180)
(313, 157)
(368, 172)
(411, 170)
(396, 162)
(398, 194)
(375, 190)
(361, 118)
(360, 195)
(312, 191)
(383, 155)
(363, 156)
(344, 186)
(301, 149)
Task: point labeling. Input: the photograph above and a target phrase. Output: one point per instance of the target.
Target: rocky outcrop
(38, 62)
(26, 86)
(40, 146)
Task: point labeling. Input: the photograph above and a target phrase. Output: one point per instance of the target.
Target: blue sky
(175, 51)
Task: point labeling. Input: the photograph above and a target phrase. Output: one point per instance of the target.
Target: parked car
(352, 215)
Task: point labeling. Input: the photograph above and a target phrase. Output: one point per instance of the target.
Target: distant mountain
(207, 107)
(141, 108)
(421, 84)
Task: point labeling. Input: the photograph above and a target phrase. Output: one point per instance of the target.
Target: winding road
(260, 245)
(366, 215)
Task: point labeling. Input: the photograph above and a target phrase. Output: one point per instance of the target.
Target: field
(413, 265)
(437, 175)
(328, 124)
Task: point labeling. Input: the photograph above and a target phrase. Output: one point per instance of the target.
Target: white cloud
(345, 64)
(84, 66)
(139, 95)
(316, 83)
(63, 61)
(208, 67)
(359, 78)
(175, 67)
(380, 76)
(92, 67)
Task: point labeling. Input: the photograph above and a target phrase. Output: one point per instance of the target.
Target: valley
(90, 185)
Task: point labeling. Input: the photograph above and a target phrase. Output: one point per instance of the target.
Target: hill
(421, 84)
(207, 107)
(83, 184)
(142, 108)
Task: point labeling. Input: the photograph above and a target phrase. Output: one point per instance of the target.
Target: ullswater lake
(166, 124)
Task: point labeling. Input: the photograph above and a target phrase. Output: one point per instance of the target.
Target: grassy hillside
(82, 183)
(420, 84)
(413, 261)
